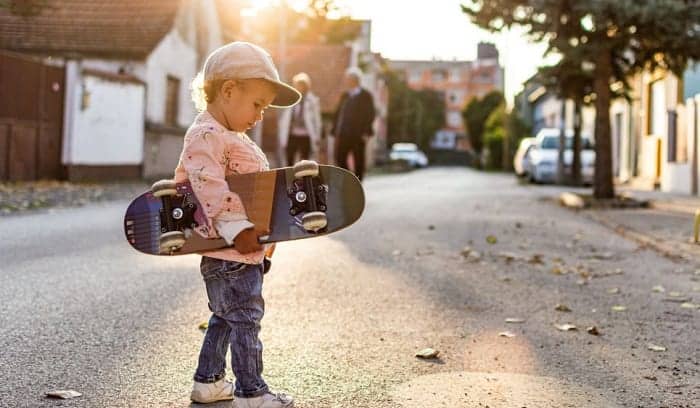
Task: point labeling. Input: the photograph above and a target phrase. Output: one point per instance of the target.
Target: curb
(675, 251)
(672, 251)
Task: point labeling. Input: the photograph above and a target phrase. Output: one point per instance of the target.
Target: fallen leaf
(689, 305)
(536, 259)
(566, 327)
(562, 308)
(508, 256)
(427, 353)
(603, 256)
(675, 294)
(506, 334)
(556, 270)
(582, 281)
(515, 320)
(658, 289)
(396, 252)
(613, 291)
(506, 279)
(654, 347)
(491, 239)
(63, 394)
(618, 308)
(593, 330)
(466, 251)
(649, 377)
(203, 325)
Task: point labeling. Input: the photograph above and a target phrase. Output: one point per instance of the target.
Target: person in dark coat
(352, 123)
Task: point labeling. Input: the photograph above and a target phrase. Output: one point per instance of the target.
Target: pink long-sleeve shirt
(211, 153)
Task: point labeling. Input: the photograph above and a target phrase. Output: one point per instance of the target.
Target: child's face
(244, 102)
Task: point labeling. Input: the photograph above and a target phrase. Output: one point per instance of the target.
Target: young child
(238, 82)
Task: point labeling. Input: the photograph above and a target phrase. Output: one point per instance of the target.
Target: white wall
(107, 123)
(173, 56)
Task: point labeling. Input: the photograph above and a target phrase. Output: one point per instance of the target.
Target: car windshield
(552, 142)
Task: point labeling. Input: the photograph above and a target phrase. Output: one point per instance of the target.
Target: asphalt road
(346, 313)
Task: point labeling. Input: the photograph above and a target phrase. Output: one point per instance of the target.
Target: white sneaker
(211, 392)
(268, 400)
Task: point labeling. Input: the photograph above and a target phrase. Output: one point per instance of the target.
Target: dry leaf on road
(593, 330)
(63, 394)
(566, 327)
(690, 305)
(514, 320)
(614, 291)
(618, 308)
(658, 289)
(506, 334)
(654, 347)
(427, 353)
(491, 239)
(562, 308)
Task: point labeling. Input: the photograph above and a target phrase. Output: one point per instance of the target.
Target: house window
(416, 76)
(672, 136)
(438, 76)
(172, 100)
(454, 119)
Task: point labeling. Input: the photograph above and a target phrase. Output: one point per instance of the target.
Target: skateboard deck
(290, 202)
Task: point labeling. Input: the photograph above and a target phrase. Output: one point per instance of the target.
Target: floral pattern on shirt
(210, 153)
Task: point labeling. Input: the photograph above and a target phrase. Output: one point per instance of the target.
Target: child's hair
(204, 92)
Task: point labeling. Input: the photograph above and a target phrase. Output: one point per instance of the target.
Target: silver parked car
(409, 153)
(521, 161)
(544, 156)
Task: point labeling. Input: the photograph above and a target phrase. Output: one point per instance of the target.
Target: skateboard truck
(176, 215)
(308, 196)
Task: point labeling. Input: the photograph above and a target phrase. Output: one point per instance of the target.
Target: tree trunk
(576, 159)
(561, 176)
(603, 181)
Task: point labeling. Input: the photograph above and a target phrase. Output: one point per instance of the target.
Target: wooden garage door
(31, 119)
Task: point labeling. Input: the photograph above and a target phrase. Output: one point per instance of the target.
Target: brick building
(459, 82)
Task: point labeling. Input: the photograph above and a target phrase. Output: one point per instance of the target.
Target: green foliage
(413, 116)
(601, 42)
(495, 137)
(308, 26)
(475, 115)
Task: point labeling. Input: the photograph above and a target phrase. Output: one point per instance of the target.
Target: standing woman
(300, 126)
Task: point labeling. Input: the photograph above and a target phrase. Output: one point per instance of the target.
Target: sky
(405, 29)
(427, 29)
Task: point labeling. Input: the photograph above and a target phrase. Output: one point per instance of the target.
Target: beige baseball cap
(243, 60)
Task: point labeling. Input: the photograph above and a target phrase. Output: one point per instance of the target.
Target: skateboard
(303, 201)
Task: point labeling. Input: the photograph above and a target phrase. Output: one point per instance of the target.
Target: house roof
(325, 64)
(96, 28)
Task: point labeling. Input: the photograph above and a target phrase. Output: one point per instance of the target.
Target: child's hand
(247, 241)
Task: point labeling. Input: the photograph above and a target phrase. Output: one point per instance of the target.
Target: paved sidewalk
(667, 225)
(22, 197)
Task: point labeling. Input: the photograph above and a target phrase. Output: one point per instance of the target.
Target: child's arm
(204, 162)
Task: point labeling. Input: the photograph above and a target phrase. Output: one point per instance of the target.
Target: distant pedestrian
(299, 128)
(236, 85)
(352, 124)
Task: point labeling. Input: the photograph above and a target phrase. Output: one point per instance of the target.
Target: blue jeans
(235, 299)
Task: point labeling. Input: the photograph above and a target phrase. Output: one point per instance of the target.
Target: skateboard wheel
(314, 221)
(305, 168)
(171, 241)
(163, 188)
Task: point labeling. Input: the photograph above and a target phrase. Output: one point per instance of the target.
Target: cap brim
(286, 95)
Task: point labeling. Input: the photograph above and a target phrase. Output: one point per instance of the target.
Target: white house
(127, 68)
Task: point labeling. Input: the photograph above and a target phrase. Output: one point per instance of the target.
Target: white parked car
(545, 154)
(409, 153)
(521, 161)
